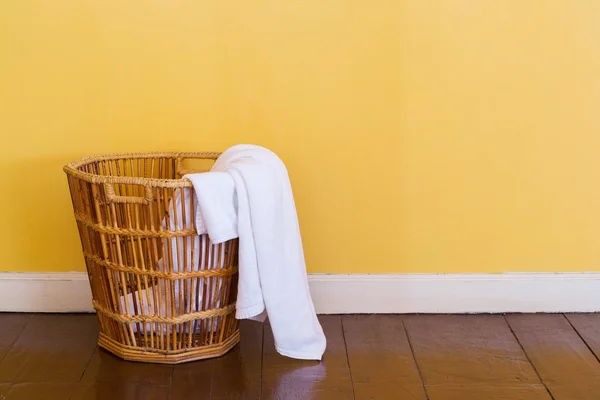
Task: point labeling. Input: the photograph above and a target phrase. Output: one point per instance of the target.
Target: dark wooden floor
(436, 357)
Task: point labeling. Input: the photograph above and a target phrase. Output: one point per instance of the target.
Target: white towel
(221, 222)
(272, 266)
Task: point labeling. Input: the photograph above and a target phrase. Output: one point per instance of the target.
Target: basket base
(131, 353)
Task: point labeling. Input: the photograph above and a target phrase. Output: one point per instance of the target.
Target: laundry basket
(161, 292)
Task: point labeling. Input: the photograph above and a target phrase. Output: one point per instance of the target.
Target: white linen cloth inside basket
(148, 300)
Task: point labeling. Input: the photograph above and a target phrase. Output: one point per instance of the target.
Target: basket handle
(111, 196)
(181, 171)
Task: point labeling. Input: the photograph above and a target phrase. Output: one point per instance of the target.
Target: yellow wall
(421, 136)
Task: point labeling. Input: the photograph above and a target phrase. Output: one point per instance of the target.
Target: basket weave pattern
(161, 292)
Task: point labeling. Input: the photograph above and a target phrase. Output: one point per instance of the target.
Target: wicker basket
(162, 293)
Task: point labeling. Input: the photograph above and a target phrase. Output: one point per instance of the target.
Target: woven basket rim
(72, 168)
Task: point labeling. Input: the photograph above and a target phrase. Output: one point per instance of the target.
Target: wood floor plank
(237, 375)
(11, 327)
(51, 348)
(289, 379)
(41, 391)
(469, 350)
(105, 367)
(562, 359)
(121, 391)
(4, 388)
(588, 326)
(380, 358)
(465, 392)
(234, 376)
(192, 380)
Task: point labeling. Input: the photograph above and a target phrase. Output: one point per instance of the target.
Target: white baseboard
(456, 293)
(344, 294)
(40, 292)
